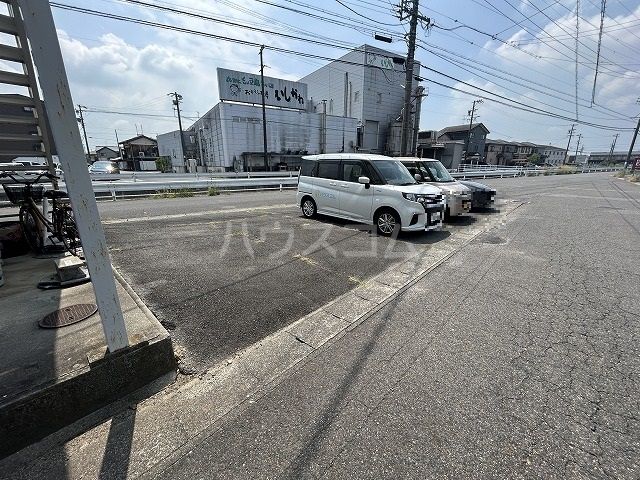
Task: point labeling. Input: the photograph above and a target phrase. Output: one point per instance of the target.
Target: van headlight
(412, 197)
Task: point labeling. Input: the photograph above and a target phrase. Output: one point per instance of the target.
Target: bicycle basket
(17, 194)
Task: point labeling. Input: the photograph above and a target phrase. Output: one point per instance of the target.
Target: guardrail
(137, 184)
(526, 172)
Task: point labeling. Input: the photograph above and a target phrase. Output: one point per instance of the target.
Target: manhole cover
(493, 240)
(68, 315)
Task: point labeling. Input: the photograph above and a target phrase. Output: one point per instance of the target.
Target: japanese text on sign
(246, 88)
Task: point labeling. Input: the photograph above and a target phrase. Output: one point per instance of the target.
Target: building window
(356, 97)
(379, 98)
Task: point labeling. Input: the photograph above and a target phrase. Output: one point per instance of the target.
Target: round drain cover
(68, 315)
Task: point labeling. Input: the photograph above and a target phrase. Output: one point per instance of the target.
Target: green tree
(163, 164)
(535, 159)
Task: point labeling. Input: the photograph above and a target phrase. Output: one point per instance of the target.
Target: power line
(364, 16)
(456, 61)
(520, 105)
(308, 55)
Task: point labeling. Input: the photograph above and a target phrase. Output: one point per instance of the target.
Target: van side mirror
(417, 176)
(365, 181)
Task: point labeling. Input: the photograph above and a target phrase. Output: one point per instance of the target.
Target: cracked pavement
(517, 356)
(517, 359)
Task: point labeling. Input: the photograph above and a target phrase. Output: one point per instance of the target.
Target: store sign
(246, 88)
(380, 61)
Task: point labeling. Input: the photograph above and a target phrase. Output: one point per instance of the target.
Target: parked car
(482, 196)
(104, 166)
(431, 171)
(371, 189)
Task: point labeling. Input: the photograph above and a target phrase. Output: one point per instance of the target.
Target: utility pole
(613, 146)
(472, 113)
(323, 128)
(177, 98)
(408, 84)
(264, 115)
(577, 145)
(633, 142)
(118, 144)
(566, 152)
(84, 130)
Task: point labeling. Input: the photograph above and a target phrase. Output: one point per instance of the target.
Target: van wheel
(387, 222)
(308, 208)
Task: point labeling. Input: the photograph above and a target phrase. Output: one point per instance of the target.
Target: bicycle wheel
(31, 229)
(68, 231)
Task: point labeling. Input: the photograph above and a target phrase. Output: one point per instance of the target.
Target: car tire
(308, 206)
(387, 222)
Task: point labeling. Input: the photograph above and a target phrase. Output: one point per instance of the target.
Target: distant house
(551, 155)
(474, 138)
(106, 153)
(500, 152)
(611, 157)
(139, 153)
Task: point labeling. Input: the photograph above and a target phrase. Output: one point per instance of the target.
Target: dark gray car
(482, 196)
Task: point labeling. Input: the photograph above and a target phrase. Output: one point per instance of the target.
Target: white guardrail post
(41, 31)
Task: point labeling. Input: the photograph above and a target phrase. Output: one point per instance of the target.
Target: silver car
(433, 172)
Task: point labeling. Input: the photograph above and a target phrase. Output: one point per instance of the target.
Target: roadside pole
(41, 32)
(264, 115)
(633, 142)
(566, 152)
(177, 98)
(408, 83)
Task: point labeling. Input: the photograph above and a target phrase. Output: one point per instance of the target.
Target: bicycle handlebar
(27, 181)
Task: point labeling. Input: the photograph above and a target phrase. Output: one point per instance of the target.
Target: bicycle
(62, 225)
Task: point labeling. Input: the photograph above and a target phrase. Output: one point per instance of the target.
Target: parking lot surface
(517, 358)
(223, 272)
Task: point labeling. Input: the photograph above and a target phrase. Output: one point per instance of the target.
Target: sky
(520, 49)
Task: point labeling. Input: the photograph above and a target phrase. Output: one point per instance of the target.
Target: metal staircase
(24, 130)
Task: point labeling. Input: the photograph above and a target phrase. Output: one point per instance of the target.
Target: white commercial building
(231, 136)
(368, 84)
(352, 104)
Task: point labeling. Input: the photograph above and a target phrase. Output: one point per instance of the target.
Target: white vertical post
(41, 32)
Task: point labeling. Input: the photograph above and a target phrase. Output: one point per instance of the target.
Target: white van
(371, 189)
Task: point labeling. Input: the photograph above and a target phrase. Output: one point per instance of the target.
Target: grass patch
(213, 191)
(634, 178)
(620, 174)
(566, 170)
(179, 193)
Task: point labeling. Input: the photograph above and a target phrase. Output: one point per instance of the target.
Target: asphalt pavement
(517, 358)
(223, 272)
(515, 354)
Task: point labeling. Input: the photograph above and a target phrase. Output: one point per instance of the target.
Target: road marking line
(196, 214)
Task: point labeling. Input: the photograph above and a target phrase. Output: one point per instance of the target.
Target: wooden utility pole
(566, 151)
(264, 115)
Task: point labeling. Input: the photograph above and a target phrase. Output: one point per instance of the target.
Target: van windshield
(394, 172)
(438, 171)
